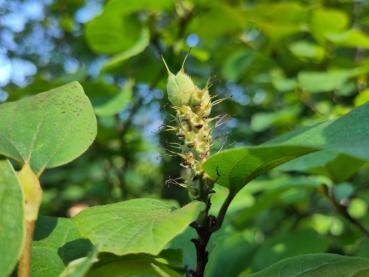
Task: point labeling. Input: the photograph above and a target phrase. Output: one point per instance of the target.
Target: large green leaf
(135, 226)
(48, 129)
(11, 218)
(348, 135)
(317, 265)
(56, 243)
(236, 167)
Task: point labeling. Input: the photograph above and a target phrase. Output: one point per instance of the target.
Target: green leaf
(323, 81)
(362, 98)
(337, 167)
(272, 194)
(110, 33)
(234, 168)
(230, 252)
(279, 19)
(79, 267)
(351, 38)
(11, 218)
(131, 6)
(215, 17)
(140, 45)
(56, 243)
(48, 129)
(324, 21)
(288, 244)
(119, 30)
(237, 63)
(263, 121)
(307, 50)
(135, 226)
(115, 104)
(316, 265)
(135, 265)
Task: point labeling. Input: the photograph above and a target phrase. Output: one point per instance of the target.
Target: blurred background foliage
(279, 64)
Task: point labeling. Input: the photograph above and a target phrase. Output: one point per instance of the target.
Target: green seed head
(180, 87)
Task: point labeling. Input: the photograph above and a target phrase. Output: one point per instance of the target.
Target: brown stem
(24, 265)
(205, 229)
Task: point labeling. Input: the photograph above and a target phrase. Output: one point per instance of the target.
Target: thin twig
(342, 210)
(223, 211)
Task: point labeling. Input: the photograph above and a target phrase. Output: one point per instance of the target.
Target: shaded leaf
(80, 267)
(288, 244)
(136, 265)
(335, 166)
(56, 243)
(229, 255)
(317, 265)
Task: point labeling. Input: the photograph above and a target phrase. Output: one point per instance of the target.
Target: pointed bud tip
(167, 68)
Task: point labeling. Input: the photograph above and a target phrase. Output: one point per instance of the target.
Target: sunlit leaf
(327, 21)
(11, 218)
(215, 17)
(351, 38)
(323, 81)
(307, 50)
(135, 226)
(48, 129)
